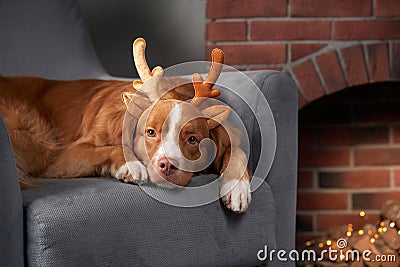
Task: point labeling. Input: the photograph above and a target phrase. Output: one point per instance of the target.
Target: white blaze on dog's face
(168, 140)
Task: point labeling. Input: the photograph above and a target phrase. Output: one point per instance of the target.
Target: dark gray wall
(174, 30)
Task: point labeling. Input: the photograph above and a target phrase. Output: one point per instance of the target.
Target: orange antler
(151, 77)
(205, 88)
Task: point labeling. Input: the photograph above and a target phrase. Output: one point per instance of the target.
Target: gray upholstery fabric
(11, 220)
(45, 38)
(103, 222)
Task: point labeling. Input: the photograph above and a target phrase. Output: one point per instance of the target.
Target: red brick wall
(349, 157)
(349, 151)
(325, 45)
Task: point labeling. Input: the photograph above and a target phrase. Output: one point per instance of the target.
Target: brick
(366, 29)
(396, 134)
(289, 30)
(346, 136)
(301, 50)
(323, 157)
(306, 137)
(321, 201)
(226, 31)
(250, 8)
(397, 177)
(332, 221)
(305, 179)
(373, 200)
(354, 65)
(330, 8)
(336, 114)
(304, 223)
(387, 8)
(331, 71)
(377, 113)
(377, 156)
(378, 64)
(354, 179)
(309, 81)
(395, 61)
(302, 102)
(253, 53)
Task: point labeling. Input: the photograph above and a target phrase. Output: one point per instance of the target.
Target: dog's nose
(167, 166)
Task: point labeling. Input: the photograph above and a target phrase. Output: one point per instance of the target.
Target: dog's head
(172, 136)
(171, 140)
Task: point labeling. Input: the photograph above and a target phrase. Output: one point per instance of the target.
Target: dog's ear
(216, 115)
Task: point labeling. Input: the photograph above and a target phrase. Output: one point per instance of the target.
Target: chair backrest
(46, 38)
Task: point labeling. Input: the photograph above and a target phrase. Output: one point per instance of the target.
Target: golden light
(362, 213)
(398, 232)
(360, 232)
(370, 232)
(384, 229)
(392, 224)
(308, 243)
(348, 234)
(380, 229)
(328, 242)
(376, 236)
(372, 240)
(382, 223)
(321, 245)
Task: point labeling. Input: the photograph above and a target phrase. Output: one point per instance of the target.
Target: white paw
(132, 172)
(236, 195)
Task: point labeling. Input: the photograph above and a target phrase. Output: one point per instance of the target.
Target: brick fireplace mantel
(326, 46)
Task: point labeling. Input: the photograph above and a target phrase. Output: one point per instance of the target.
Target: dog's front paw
(236, 195)
(132, 172)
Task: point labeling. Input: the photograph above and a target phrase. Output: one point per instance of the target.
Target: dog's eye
(151, 133)
(193, 140)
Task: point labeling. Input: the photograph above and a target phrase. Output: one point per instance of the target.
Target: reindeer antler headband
(150, 79)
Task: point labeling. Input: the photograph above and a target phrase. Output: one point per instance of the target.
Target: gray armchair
(102, 222)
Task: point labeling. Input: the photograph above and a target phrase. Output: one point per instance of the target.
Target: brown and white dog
(65, 129)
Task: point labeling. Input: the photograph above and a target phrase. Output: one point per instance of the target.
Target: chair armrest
(11, 212)
(281, 93)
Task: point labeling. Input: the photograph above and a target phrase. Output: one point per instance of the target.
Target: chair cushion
(103, 222)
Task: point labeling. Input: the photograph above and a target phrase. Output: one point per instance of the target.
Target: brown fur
(63, 129)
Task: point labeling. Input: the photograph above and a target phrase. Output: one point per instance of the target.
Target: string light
(382, 223)
(372, 240)
(376, 236)
(308, 243)
(380, 229)
(328, 242)
(348, 234)
(392, 224)
(321, 245)
(370, 232)
(384, 229)
(361, 232)
(362, 213)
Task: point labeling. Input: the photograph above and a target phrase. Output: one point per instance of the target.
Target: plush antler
(205, 88)
(151, 78)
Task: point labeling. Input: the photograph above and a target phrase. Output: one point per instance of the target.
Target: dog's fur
(64, 129)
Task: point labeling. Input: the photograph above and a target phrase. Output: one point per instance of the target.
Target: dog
(65, 129)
